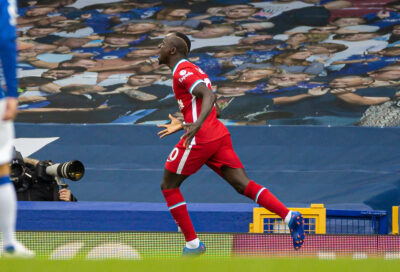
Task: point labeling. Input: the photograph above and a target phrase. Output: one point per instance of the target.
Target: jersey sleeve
(8, 47)
(189, 78)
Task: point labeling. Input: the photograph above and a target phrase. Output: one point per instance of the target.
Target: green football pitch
(205, 265)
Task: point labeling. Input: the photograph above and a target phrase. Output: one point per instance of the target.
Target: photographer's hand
(65, 194)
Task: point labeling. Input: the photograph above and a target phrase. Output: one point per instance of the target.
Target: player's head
(174, 44)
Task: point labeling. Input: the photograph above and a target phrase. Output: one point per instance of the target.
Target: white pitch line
(360, 256)
(392, 256)
(326, 255)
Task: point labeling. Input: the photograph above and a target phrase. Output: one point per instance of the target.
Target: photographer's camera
(42, 180)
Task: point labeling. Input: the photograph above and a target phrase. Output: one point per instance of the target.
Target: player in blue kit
(8, 110)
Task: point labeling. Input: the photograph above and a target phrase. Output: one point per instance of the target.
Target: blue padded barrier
(206, 217)
(342, 167)
(125, 216)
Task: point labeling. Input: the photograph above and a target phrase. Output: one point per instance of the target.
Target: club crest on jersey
(180, 104)
(184, 74)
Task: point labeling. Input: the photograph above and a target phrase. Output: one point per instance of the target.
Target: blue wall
(341, 167)
(124, 216)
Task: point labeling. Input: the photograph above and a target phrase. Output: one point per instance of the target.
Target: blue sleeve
(8, 48)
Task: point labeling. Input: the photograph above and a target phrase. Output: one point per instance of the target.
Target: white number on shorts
(174, 153)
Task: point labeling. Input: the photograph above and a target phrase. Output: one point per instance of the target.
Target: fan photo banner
(280, 62)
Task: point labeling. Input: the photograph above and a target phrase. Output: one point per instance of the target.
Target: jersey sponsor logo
(172, 156)
(184, 76)
(180, 104)
(182, 72)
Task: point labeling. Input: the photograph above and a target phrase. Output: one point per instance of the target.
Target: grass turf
(207, 265)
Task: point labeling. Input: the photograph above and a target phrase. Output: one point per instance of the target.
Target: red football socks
(265, 198)
(178, 209)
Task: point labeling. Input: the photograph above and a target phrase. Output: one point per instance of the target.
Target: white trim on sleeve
(195, 84)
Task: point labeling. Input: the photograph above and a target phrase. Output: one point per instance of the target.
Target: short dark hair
(186, 40)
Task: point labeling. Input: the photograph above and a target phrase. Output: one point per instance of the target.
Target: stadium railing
(395, 220)
(319, 220)
(356, 222)
(265, 221)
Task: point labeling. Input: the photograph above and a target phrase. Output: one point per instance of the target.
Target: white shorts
(6, 136)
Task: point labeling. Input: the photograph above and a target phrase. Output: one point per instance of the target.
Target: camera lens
(16, 170)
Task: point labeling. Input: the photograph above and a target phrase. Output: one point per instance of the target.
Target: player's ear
(172, 51)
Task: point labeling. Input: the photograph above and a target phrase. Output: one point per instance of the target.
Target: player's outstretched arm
(170, 128)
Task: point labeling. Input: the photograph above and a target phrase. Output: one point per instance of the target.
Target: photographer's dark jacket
(31, 187)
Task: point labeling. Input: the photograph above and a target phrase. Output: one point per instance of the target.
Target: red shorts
(214, 154)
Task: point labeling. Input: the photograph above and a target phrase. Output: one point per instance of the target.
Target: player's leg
(177, 207)
(227, 164)
(239, 180)
(237, 177)
(8, 209)
(8, 204)
(180, 164)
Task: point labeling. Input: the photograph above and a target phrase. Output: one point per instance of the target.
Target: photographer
(32, 183)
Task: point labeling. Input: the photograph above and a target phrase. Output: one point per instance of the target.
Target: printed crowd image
(293, 106)
(279, 62)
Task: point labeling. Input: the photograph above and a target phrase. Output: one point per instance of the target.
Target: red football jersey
(186, 76)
